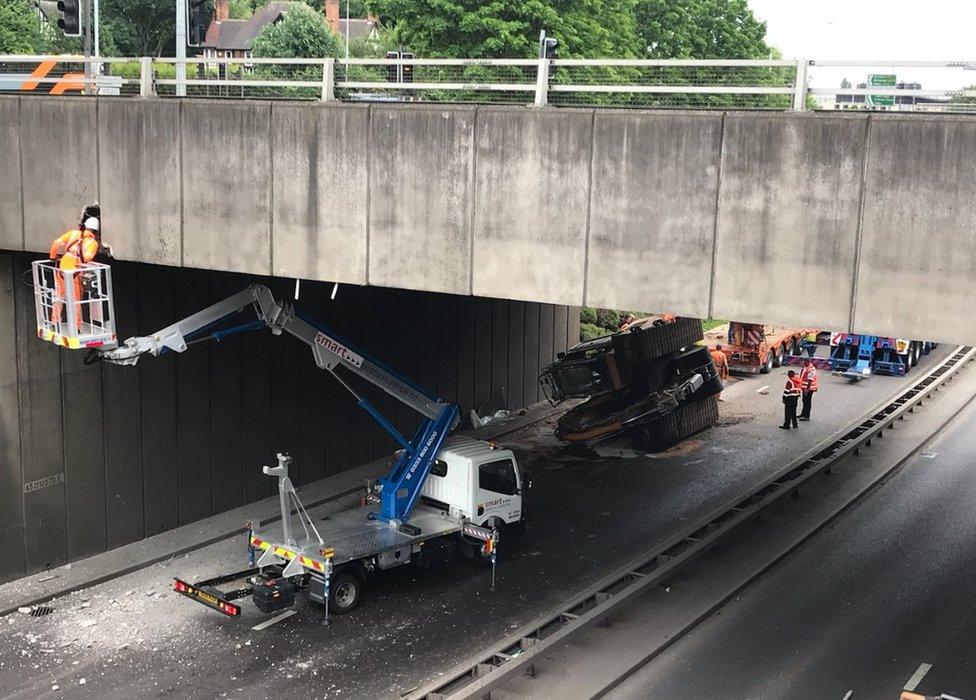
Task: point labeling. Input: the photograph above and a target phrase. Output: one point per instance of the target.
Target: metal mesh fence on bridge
(673, 84)
(433, 80)
(908, 86)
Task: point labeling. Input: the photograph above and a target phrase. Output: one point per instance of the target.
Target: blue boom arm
(401, 487)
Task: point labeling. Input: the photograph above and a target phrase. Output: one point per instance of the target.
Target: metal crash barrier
(74, 307)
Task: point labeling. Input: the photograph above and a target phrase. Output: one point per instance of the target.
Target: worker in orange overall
(721, 366)
(809, 383)
(791, 396)
(73, 250)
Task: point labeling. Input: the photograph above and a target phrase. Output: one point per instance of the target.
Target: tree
(138, 27)
(700, 29)
(510, 29)
(302, 32)
(20, 28)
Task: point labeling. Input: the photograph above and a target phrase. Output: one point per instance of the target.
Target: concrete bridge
(842, 221)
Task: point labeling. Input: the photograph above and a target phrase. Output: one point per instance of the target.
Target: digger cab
(74, 307)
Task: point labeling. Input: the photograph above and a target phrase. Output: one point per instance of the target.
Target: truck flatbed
(351, 535)
(756, 348)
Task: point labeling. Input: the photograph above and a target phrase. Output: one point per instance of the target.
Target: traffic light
(196, 22)
(549, 48)
(406, 75)
(392, 70)
(549, 53)
(70, 20)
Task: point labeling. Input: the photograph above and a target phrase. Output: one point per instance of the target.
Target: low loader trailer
(754, 348)
(857, 357)
(443, 495)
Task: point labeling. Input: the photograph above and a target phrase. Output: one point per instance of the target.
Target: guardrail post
(542, 83)
(146, 83)
(328, 80)
(800, 86)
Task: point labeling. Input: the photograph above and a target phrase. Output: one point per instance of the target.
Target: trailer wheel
(780, 358)
(916, 354)
(345, 592)
(767, 366)
(642, 344)
(685, 420)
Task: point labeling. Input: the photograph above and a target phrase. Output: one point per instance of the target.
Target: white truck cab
(475, 480)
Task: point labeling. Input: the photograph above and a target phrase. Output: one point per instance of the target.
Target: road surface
(881, 599)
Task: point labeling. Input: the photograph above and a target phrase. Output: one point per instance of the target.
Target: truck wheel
(915, 354)
(345, 592)
(685, 420)
(780, 358)
(642, 344)
(767, 366)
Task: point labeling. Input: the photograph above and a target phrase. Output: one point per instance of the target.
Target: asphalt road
(589, 513)
(880, 599)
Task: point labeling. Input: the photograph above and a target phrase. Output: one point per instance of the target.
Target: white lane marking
(849, 694)
(917, 677)
(267, 623)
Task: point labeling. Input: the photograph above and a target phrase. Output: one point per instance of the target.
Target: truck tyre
(767, 366)
(780, 358)
(642, 344)
(345, 593)
(685, 420)
(916, 354)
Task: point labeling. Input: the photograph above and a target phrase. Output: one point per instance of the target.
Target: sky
(907, 30)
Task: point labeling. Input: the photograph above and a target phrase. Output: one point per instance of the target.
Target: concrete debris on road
(764, 390)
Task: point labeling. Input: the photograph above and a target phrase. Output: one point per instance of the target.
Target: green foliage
(500, 29)
(608, 318)
(21, 30)
(700, 29)
(138, 28)
(303, 33)
(241, 9)
(589, 331)
(587, 314)
(710, 323)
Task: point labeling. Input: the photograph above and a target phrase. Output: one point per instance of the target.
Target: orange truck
(754, 348)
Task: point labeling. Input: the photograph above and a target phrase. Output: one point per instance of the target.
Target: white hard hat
(91, 223)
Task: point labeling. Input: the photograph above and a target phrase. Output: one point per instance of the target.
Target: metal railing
(685, 83)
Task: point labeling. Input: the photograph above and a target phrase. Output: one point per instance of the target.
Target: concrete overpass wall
(844, 221)
(94, 457)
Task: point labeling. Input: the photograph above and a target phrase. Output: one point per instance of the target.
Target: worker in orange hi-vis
(73, 250)
(721, 366)
(810, 383)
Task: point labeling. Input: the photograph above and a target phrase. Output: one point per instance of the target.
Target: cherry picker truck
(443, 494)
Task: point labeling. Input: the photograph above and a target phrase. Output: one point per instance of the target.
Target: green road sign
(885, 80)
